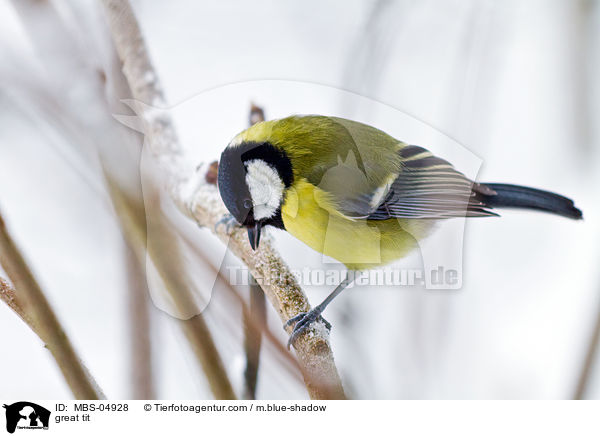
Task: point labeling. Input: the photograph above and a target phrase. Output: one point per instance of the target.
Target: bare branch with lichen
(200, 201)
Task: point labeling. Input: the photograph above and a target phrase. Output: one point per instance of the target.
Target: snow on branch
(200, 201)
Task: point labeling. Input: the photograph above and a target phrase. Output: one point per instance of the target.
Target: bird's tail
(521, 197)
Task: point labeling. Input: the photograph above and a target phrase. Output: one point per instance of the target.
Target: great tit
(353, 192)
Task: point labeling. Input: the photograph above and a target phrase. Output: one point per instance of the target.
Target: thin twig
(31, 305)
(589, 361)
(254, 322)
(133, 222)
(200, 338)
(202, 203)
(222, 281)
(133, 218)
(140, 369)
(256, 318)
(103, 134)
(7, 294)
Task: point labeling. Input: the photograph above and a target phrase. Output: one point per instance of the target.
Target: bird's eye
(247, 203)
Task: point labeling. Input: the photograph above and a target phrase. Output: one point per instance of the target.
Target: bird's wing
(429, 187)
(356, 163)
(367, 174)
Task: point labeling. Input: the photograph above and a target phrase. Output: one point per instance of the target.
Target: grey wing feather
(429, 187)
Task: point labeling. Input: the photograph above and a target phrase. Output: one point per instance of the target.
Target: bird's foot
(302, 322)
(229, 222)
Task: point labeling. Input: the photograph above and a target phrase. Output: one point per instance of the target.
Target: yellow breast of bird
(309, 214)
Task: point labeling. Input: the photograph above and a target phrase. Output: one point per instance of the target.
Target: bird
(352, 192)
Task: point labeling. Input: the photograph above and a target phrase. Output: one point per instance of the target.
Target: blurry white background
(511, 81)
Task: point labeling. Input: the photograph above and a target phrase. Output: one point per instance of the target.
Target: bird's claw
(229, 222)
(302, 322)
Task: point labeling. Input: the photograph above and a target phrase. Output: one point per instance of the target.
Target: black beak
(254, 235)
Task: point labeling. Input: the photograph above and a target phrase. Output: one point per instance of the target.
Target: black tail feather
(521, 197)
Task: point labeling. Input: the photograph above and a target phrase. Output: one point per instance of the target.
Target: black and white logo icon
(26, 415)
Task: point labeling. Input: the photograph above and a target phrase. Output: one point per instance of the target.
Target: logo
(26, 415)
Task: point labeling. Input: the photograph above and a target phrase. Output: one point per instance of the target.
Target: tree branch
(7, 294)
(255, 319)
(589, 361)
(201, 202)
(254, 323)
(33, 308)
(120, 165)
(133, 223)
(140, 346)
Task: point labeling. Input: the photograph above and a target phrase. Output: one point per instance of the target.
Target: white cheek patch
(266, 188)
